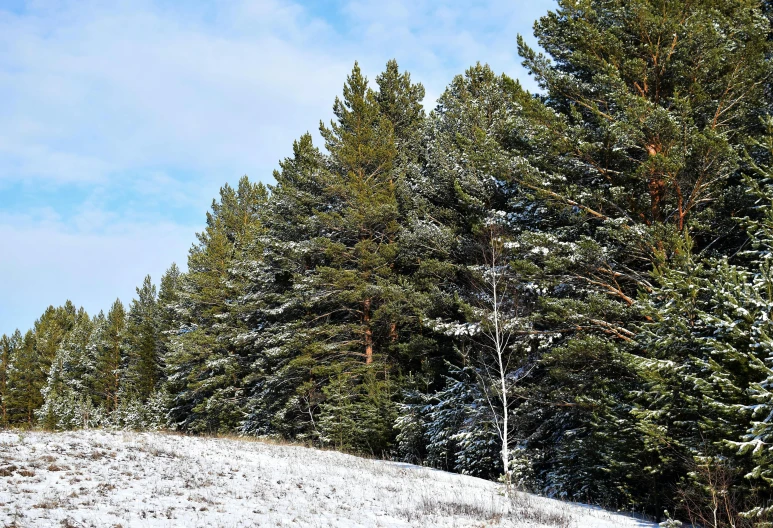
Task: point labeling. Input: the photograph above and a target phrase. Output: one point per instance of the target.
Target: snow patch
(104, 478)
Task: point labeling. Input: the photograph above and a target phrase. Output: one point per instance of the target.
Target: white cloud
(125, 89)
(148, 108)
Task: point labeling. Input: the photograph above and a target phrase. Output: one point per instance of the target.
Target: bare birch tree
(498, 356)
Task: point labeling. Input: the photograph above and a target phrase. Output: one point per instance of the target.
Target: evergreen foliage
(109, 352)
(204, 370)
(143, 361)
(8, 346)
(66, 396)
(26, 378)
(571, 290)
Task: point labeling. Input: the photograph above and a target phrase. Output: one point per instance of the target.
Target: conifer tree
(66, 396)
(52, 327)
(360, 226)
(108, 343)
(634, 143)
(361, 222)
(752, 303)
(282, 387)
(707, 343)
(330, 249)
(204, 367)
(553, 287)
(400, 102)
(168, 307)
(143, 362)
(8, 346)
(26, 378)
(91, 379)
(460, 427)
(708, 338)
(464, 217)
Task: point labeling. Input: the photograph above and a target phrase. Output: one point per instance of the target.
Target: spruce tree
(707, 343)
(203, 366)
(460, 427)
(282, 388)
(463, 230)
(752, 304)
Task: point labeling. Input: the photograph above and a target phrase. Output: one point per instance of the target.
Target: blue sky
(121, 120)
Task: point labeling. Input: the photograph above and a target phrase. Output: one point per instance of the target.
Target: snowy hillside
(104, 479)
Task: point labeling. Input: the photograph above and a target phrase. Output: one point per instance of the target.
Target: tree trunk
(368, 332)
(499, 347)
(657, 191)
(393, 332)
(656, 187)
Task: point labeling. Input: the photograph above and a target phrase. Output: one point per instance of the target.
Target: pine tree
(52, 327)
(634, 143)
(651, 98)
(358, 412)
(26, 378)
(411, 423)
(399, 102)
(66, 396)
(168, 308)
(361, 222)
(8, 346)
(143, 361)
(108, 342)
(36, 352)
(330, 248)
(360, 226)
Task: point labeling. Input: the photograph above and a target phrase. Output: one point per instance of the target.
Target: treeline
(72, 370)
(572, 289)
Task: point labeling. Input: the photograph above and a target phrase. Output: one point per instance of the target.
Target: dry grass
(525, 510)
(232, 481)
(521, 510)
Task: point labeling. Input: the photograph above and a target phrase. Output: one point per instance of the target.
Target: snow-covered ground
(112, 479)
